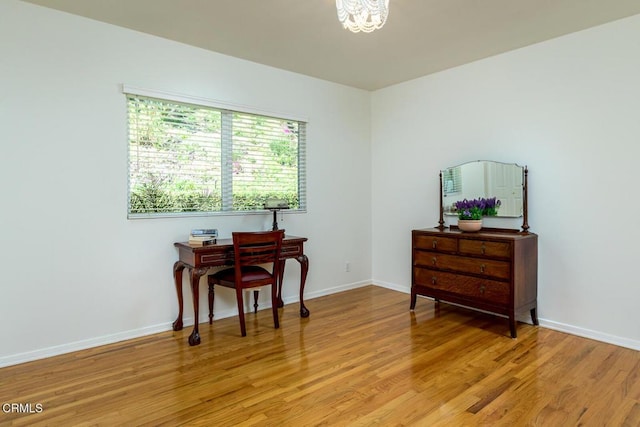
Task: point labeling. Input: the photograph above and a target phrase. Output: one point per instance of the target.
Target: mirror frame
(525, 203)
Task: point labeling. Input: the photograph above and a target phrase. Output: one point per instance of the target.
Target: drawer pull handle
(434, 244)
(433, 260)
(433, 280)
(482, 248)
(482, 267)
(482, 289)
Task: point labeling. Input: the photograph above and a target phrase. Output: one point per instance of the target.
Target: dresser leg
(512, 327)
(534, 316)
(414, 297)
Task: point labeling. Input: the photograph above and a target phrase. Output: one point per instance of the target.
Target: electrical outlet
(347, 266)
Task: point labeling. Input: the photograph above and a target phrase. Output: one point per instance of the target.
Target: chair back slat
(257, 247)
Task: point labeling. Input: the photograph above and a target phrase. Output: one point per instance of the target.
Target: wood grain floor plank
(361, 359)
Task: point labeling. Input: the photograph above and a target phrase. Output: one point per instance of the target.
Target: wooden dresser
(494, 270)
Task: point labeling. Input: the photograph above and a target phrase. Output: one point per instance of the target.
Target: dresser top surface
(485, 233)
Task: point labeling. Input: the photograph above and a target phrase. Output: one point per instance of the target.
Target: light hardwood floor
(361, 359)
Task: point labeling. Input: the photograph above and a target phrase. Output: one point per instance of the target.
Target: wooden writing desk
(198, 260)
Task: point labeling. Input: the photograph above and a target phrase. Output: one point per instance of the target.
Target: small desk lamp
(274, 205)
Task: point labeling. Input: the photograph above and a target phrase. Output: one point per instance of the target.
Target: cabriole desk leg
(196, 274)
(280, 279)
(178, 267)
(304, 268)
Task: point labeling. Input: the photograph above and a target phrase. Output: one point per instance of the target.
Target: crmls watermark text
(22, 408)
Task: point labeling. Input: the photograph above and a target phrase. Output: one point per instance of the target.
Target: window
(191, 156)
(452, 181)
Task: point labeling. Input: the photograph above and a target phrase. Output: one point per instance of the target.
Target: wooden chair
(251, 249)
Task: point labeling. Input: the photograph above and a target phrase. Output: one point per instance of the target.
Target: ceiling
(304, 36)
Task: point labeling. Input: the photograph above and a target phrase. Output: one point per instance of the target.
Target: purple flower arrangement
(477, 208)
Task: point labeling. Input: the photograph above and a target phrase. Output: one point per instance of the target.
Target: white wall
(569, 109)
(75, 271)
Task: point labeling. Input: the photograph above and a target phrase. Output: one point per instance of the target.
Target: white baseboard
(588, 333)
(549, 324)
(329, 291)
(29, 356)
(57, 350)
(392, 286)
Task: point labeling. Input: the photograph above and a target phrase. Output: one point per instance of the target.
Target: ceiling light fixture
(362, 15)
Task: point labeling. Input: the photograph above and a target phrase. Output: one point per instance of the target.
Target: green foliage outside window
(177, 160)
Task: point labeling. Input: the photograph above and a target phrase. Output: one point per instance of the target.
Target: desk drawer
(215, 258)
(465, 286)
(487, 267)
(291, 250)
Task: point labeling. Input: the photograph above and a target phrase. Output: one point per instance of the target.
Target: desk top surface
(228, 243)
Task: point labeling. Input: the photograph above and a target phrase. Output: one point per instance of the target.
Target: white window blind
(186, 158)
(452, 181)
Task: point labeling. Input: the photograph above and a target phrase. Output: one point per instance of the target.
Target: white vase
(470, 225)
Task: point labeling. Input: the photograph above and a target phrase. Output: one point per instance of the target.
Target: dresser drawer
(435, 243)
(490, 291)
(487, 267)
(481, 247)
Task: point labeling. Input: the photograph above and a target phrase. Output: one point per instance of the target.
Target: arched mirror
(507, 182)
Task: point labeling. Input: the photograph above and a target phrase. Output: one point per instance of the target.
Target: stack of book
(203, 236)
